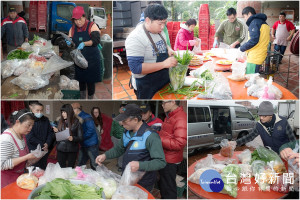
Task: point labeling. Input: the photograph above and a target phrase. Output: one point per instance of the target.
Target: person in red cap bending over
(86, 36)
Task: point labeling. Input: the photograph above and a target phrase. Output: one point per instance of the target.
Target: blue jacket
(90, 136)
(259, 38)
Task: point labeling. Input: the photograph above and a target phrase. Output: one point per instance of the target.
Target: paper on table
(63, 135)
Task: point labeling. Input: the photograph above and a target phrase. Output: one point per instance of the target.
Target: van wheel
(242, 134)
(191, 151)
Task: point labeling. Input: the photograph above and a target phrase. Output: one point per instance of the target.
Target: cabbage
(109, 186)
(231, 170)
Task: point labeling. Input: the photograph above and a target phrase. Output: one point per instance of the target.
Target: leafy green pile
(18, 54)
(186, 57)
(189, 92)
(207, 75)
(64, 189)
(255, 156)
(35, 37)
(227, 173)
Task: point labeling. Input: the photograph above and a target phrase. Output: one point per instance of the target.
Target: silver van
(211, 121)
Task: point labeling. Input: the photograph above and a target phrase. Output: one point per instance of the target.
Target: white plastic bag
(206, 162)
(52, 172)
(238, 71)
(64, 82)
(217, 89)
(79, 59)
(129, 192)
(38, 153)
(245, 156)
(31, 80)
(195, 177)
(197, 49)
(9, 66)
(55, 63)
(129, 177)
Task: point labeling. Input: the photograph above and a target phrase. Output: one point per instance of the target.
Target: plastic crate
(71, 94)
(180, 190)
(204, 9)
(170, 26)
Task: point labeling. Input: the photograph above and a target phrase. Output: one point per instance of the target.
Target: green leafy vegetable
(207, 75)
(35, 37)
(195, 89)
(230, 187)
(177, 76)
(64, 189)
(18, 54)
(186, 57)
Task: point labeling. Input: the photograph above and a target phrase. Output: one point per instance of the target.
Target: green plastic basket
(180, 190)
(71, 94)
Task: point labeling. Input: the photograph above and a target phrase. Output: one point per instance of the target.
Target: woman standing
(96, 114)
(185, 36)
(14, 151)
(67, 149)
(86, 36)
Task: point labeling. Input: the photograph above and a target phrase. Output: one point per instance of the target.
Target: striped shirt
(9, 150)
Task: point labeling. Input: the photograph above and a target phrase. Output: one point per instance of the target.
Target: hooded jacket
(173, 135)
(90, 137)
(16, 30)
(183, 37)
(259, 38)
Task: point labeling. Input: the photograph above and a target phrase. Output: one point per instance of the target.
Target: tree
(186, 16)
(221, 11)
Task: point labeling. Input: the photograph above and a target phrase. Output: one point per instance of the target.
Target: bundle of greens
(18, 54)
(35, 37)
(207, 75)
(230, 172)
(177, 74)
(268, 155)
(64, 189)
(188, 92)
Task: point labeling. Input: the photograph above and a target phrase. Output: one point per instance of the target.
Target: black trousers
(90, 87)
(66, 157)
(167, 181)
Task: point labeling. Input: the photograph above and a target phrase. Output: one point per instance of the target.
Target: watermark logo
(211, 181)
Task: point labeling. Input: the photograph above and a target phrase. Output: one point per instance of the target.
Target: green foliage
(196, 31)
(18, 54)
(221, 11)
(186, 15)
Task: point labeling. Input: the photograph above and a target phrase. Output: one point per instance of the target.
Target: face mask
(38, 115)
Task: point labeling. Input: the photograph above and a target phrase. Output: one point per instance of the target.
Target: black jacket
(71, 146)
(40, 133)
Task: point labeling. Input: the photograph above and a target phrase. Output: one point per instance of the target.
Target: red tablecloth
(237, 89)
(256, 194)
(12, 191)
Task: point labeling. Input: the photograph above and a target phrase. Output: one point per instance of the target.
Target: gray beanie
(265, 108)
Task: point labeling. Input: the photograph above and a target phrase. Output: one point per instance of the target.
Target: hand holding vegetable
(100, 159)
(169, 62)
(134, 165)
(285, 153)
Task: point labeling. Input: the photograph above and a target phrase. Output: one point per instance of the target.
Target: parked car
(210, 122)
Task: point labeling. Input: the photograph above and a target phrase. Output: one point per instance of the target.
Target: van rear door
(200, 127)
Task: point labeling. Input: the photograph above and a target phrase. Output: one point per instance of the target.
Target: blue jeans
(281, 49)
(86, 153)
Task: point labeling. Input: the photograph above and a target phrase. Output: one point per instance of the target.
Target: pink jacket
(182, 39)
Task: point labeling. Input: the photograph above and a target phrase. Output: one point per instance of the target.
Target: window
(199, 115)
(242, 112)
(65, 11)
(99, 13)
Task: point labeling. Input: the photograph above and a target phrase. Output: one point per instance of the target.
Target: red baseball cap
(77, 12)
